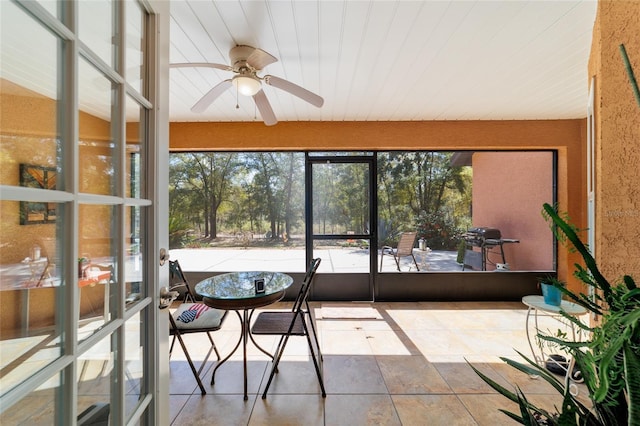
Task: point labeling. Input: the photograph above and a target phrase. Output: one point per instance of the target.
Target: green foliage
(258, 193)
(274, 192)
(629, 70)
(387, 236)
(462, 248)
(412, 183)
(609, 359)
(573, 411)
(438, 229)
(551, 280)
(340, 198)
(178, 232)
(218, 195)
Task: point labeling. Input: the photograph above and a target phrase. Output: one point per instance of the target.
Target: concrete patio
(335, 259)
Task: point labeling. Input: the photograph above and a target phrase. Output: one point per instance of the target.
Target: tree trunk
(206, 220)
(287, 200)
(213, 216)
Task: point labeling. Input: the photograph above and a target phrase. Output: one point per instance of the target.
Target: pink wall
(509, 189)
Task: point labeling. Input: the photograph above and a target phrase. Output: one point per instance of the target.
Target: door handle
(164, 256)
(167, 297)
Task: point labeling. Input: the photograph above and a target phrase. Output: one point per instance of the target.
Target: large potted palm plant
(609, 359)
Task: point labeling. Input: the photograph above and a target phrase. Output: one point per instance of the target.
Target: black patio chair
(297, 322)
(192, 317)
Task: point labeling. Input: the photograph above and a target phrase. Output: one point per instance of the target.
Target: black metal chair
(297, 322)
(192, 317)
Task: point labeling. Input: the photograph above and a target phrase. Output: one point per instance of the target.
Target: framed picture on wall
(37, 177)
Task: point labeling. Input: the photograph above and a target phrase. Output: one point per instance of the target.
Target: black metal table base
(245, 320)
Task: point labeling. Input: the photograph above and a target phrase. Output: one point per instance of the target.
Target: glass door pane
(97, 151)
(31, 217)
(96, 28)
(97, 266)
(340, 198)
(341, 215)
(95, 374)
(135, 45)
(135, 355)
(37, 407)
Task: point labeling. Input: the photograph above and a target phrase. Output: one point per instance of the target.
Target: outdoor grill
(477, 237)
(486, 239)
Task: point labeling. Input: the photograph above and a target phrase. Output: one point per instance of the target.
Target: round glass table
(237, 291)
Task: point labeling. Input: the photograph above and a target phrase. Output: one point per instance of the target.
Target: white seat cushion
(208, 317)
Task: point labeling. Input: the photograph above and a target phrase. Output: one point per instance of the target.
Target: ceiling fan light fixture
(246, 85)
(247, 62)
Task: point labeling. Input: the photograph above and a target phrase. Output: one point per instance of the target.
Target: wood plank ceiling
(390, 60)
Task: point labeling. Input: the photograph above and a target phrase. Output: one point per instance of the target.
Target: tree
(422, 184)
(324, 187)
(293, 191)
(205, 180)
(275, 189)
(264, 192)
(352, 198)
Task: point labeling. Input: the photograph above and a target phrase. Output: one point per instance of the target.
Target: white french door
(591, 174)
(83, 211)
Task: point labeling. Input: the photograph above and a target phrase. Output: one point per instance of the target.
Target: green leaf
(499, 388)
(569, 232)
(628, 281)
(535, 370)
(632, 376)
(528, 418)
(511, 415)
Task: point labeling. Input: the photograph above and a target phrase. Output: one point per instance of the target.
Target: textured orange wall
(617, 117)
(509, 189)
(17, 145)
(376, 135)
(28, 135)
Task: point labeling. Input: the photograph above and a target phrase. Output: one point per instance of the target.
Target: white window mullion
(19, 193)
(69, 127)
(119, 133)
(156, 218)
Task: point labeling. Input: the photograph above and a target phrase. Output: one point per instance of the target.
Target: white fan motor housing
(239, 55)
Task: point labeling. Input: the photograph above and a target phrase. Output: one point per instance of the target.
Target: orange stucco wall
(509, 189)
(388, 135)
(28, 136)
(617, 132)
(17, 145)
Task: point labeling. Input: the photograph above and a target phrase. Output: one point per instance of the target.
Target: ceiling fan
(246, 63)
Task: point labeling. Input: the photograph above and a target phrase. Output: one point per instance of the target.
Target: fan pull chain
(237, 106)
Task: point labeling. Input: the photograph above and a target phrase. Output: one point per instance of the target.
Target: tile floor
(384, 364)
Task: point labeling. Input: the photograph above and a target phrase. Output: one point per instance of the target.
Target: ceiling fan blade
(265, 109)
(260, 59)
(211, 96)
(201, 65)
(294, 89)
